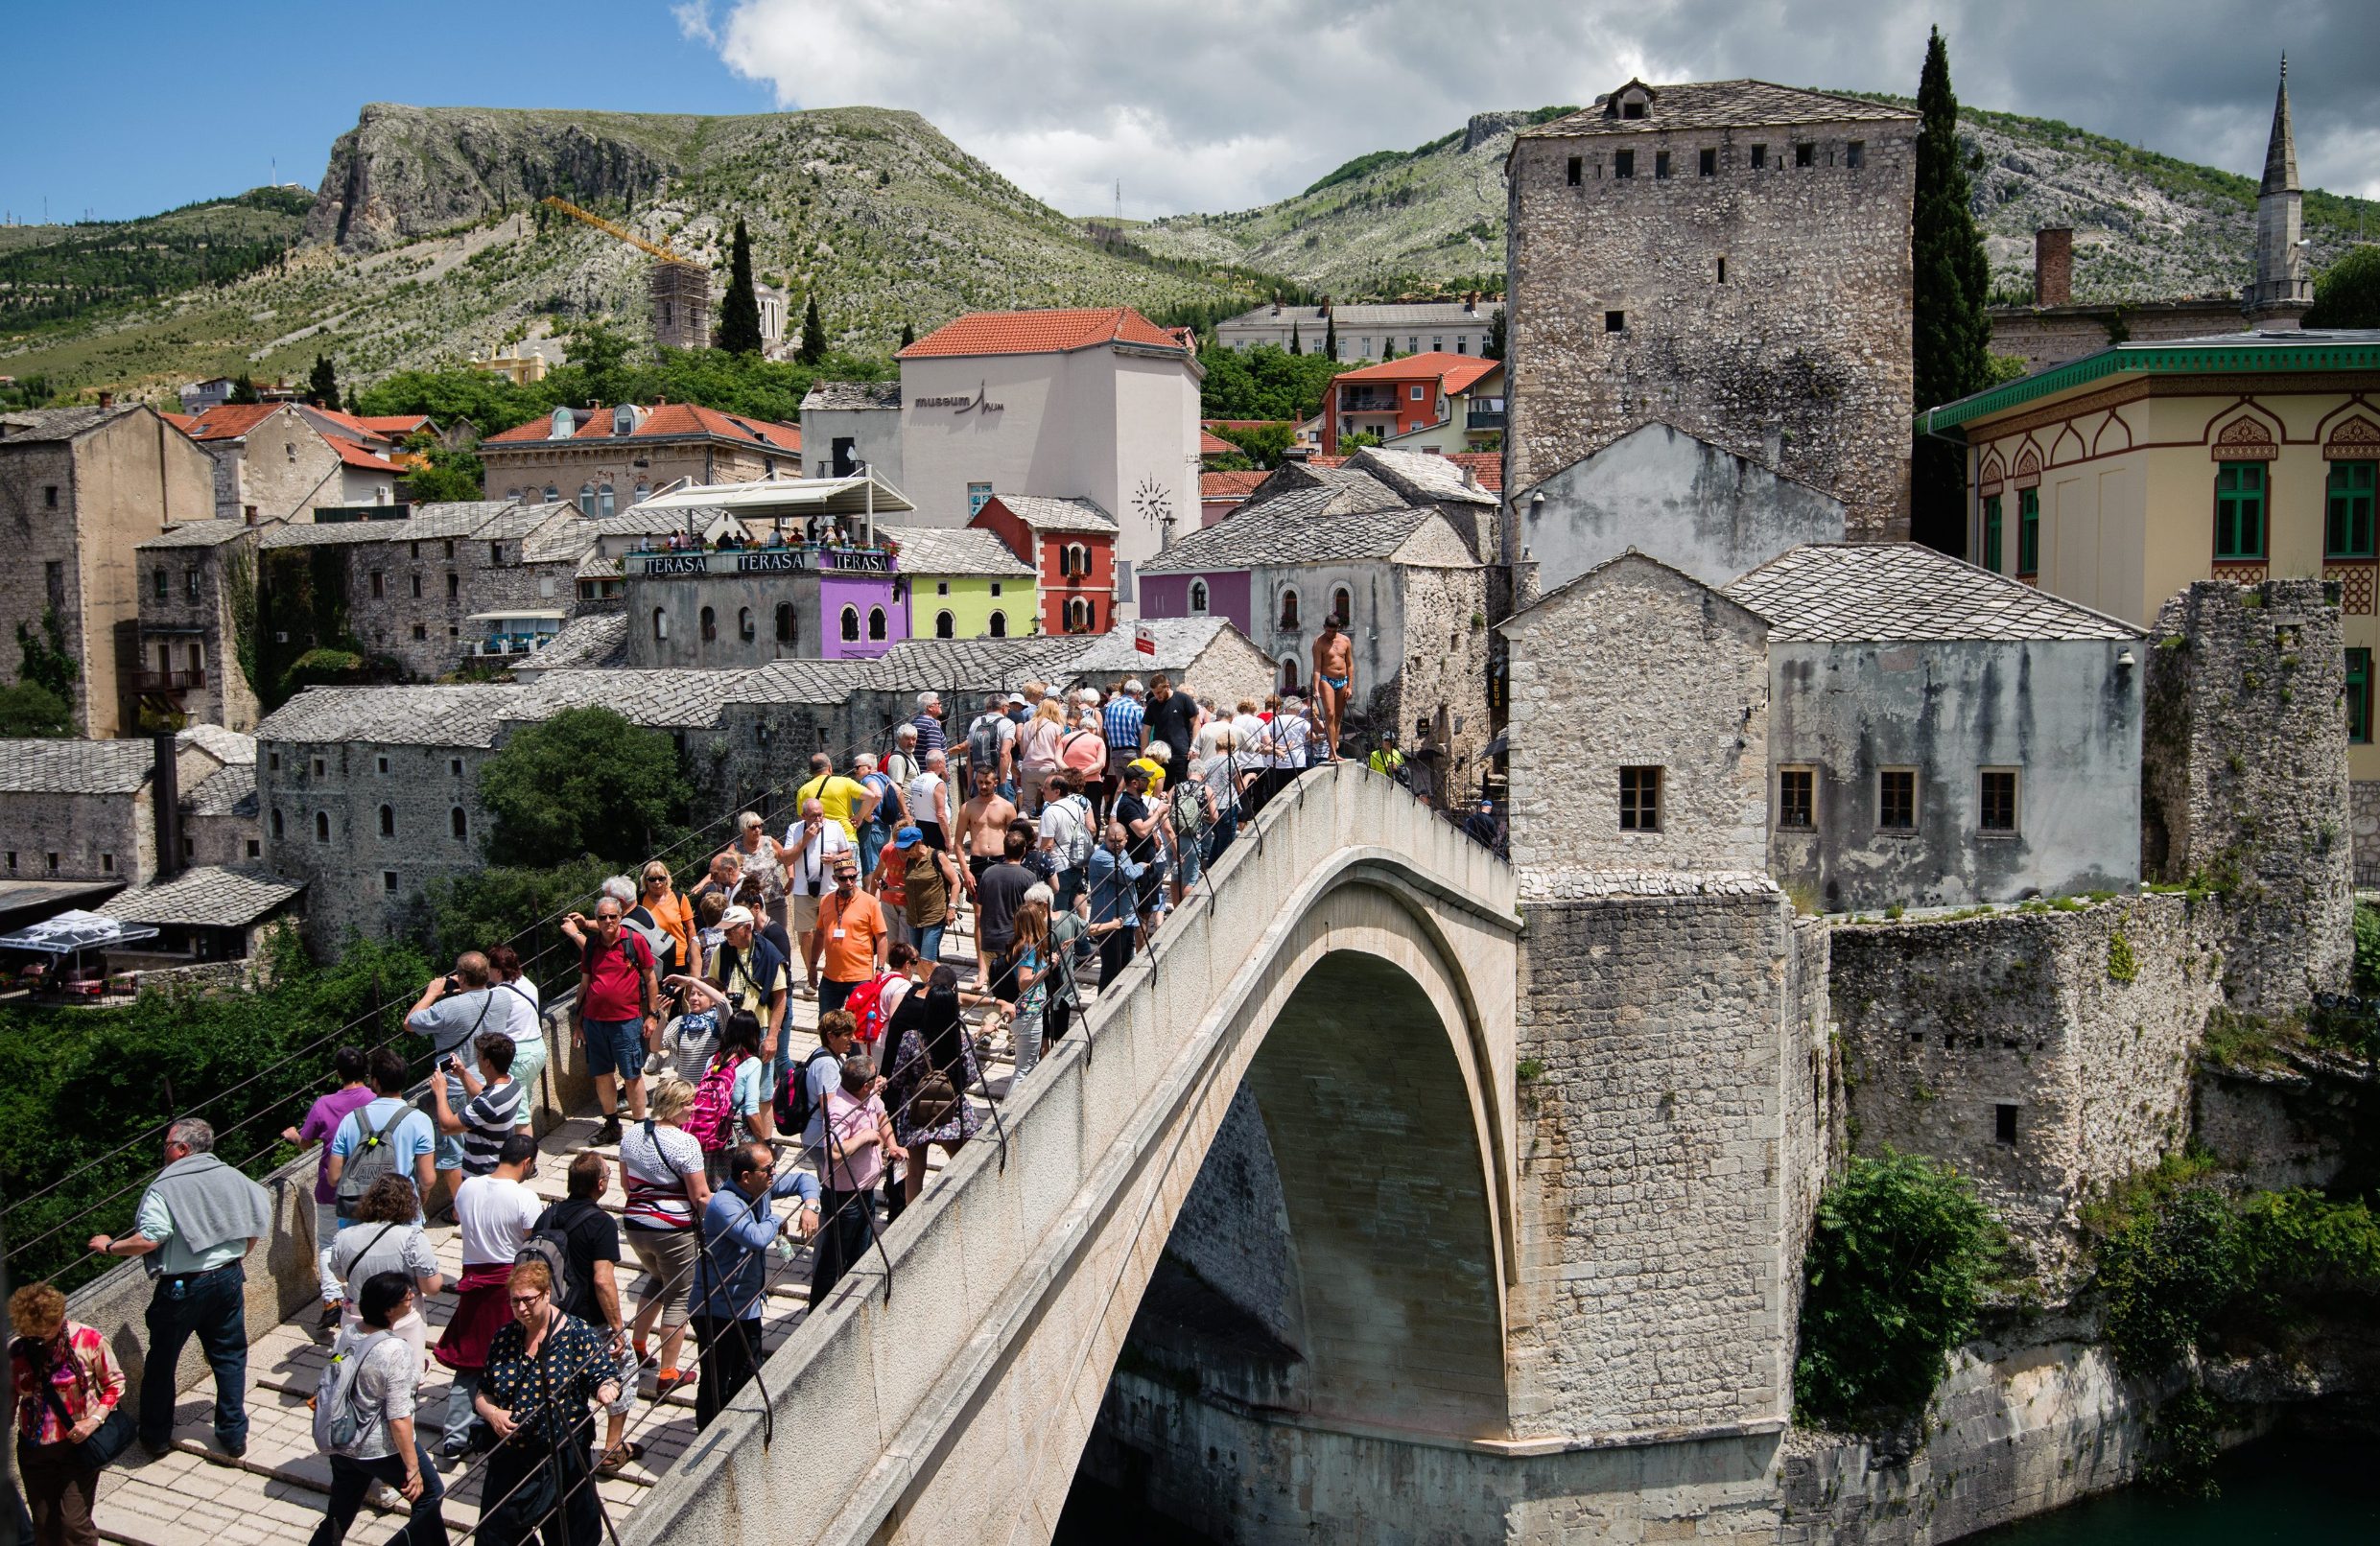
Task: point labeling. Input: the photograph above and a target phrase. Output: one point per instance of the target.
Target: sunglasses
(522, 1301)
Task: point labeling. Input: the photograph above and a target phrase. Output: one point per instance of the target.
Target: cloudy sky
(1214, 104)
(1206, 105)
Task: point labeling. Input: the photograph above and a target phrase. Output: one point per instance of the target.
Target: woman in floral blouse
(543, 1370)
(67, 1386)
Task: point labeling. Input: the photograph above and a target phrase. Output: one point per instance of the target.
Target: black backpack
(983, 746)
(793, 1094)
(549, 1242)
(373, 1158)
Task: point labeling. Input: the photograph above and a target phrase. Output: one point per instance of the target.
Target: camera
(454, 983)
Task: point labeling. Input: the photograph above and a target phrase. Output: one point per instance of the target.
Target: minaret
(2282, 289)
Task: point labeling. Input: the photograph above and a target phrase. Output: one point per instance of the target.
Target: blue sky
(1193, 105)
(144, 107)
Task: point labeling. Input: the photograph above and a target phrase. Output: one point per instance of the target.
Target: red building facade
(1071, 545)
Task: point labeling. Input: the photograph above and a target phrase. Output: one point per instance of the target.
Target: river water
(2294, 1490)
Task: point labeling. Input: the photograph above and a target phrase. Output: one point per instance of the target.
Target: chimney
(2053, 266)
(164, 788)
(1276, 305)
(1470, 302)
(106, 399)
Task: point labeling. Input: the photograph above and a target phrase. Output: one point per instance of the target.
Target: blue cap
(907, 837)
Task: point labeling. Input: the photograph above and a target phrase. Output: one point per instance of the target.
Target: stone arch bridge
(1356, 967)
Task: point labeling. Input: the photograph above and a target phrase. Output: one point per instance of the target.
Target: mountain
(426, 243)
(2147, 227)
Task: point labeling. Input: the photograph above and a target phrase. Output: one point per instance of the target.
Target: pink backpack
(713, 1119)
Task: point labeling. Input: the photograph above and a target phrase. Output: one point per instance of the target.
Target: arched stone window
(387, 821)
(743, 624)
(321, 827)
(851, 624)
(586, 499)
(1075, 561)
(1000, 626)
(278, 832)
(460, 823)
(788, 630)
(875, 623)
(1342, 605)
(1288, 609)
(661, 623)
(603, 499)
(710, 625)
(1199, 598)
(945, 626)
(1080, 617)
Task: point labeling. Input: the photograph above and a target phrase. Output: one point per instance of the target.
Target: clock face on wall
(1154, 503)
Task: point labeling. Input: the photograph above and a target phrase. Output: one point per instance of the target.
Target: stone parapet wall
(2079, 1029)
(2363, 826)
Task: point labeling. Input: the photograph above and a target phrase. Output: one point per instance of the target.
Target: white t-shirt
(519, 997)
(814, 862)
(919, 797)
(494, 1216)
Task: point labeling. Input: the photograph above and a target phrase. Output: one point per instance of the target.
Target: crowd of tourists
(1063, 826)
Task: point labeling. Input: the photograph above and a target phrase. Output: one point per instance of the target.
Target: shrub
(1896, 1268)
(2122, 965)
(2366, 948)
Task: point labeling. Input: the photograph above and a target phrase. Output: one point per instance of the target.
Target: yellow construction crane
(680, 285)
(613, 228)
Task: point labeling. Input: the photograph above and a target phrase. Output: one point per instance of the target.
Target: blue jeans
(930, 942)
(212, 1307)
(615, 1046)
(352, 1479)
(832, 994)
(1065, 889)
(1225, 829)
(871, 846)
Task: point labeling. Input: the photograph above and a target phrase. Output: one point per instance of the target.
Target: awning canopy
(75, 930)
(862, 494)
(540, 615)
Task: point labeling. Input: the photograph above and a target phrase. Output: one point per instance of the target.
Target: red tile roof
(1210, 444)
(399, 425)
(1043, 333)
(355, 455)
(1453, 372)
(1239, 424)
(230, 421)
(1488, 466)
(666, 419)
(184, 422)
(1234, 486)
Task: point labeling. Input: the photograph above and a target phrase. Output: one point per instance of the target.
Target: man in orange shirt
(850, 936)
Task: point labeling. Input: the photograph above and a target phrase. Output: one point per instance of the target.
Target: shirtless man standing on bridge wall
(1334, 676)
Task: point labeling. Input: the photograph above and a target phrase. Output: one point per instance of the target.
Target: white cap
(734, 917)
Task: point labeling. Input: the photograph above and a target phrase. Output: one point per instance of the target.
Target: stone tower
(1732, 259)
(2282, 290)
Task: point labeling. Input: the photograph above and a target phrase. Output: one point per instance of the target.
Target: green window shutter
(2347, 524)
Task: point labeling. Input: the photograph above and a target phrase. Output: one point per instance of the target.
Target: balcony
(795, 559)
(514, 644)
(181, 681)
(1353, 400)
(1484, 418)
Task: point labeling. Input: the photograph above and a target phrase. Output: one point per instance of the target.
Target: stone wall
(1442, 680)
(1638, 665)
(1797, 357)
(196, 606)
(1663, 1068)
(2045, 1054)
(321, 803)
(411, 599)
(282, 466)
(2244, 774)
(95, 836)
(2364, 810)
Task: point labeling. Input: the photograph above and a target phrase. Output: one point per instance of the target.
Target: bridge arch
(1356, 965)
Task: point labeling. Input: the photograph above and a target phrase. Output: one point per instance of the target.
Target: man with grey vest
(196, 1224)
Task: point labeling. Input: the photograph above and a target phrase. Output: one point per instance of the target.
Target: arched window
(513, 493)
(1199, 598)
(387, 821)
(321, 827)
(1075, 561)
(586, 499)
(1079, 618)
(661, 623)
(1000, 626)
(461, 824)
(710, 625)
(643, 489)
(551, 494)
(1288, 675)
(604, 498)
(789, 631)
(1342, 605)
(276, 827)
(1288, 609)
(945, 626)
(876, 623)
(743, 624)
(851, 624)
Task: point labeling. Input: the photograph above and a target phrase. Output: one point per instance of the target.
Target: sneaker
(238, 1451)
(386, 1499)
(608, 1133)
(330, 1317)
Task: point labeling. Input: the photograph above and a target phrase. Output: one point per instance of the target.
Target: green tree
(1265, 444)
(585, 783)
(814, 334)
(740, 313)
(242, 390)
(444, 475)
(2348, 292)
(492, 403)
(322, 386)
(1262, 383)
(1893, 1276)
(1494, 348)
(43, 658)
(1295, 345)
(1951, 338)
(602, 353)
(30, 709)
(909, 334)
(1331, 337)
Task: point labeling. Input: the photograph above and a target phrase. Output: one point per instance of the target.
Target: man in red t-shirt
(850, 936)
(617, 1013)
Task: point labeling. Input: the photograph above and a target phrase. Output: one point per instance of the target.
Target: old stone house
(851, 425)
(207, 913)
(87, 811)
(606, 460)
(1872, 725)
(81, 488)
(197, 592)
(1727, 257)
(1432, 402)
(282, 461)
(1367, 330)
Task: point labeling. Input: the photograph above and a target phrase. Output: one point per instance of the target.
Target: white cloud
(1225, 104)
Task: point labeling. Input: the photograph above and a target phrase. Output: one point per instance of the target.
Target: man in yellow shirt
(1152, 762)
(847, 802)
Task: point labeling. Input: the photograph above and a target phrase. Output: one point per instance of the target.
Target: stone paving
(195, 1496)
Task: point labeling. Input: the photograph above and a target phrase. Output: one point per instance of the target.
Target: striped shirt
(487, 1120)
(653, 1169)
(1124, 719)
(930, 736)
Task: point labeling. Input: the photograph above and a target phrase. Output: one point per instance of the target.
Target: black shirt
(997, 896)
(590, 1236)
(1172, 723)
(1129, 809)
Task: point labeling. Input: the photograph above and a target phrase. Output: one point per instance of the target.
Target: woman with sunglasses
(544, 1371)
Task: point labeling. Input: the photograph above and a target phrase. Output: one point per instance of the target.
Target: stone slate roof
(28, 424)
(75, 766)
(1893, 591)
(1042, 513)
(229, 747)
(459, 517)
(455, 714)
(196, 534)
(1303, 525)
(800, 681)
(1179, 641)
(599, 639)
(1720, 104)
(1423, 475)
(496, 519)
(671, 699)
(556, 539)
(227, 791)
(951, 666)
(965, 550)
(333, 533)
(215, 896)
(849, 394)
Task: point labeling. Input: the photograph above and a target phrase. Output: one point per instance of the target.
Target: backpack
(550, 1243)
(1075, 851)
(712, 1119)
(983, 744)
(1188, 811)
(892, 813)
(867, 1005)
(373, 1158)
(657, 939)
(337, 1423)
(794, 1095)
(587, 957)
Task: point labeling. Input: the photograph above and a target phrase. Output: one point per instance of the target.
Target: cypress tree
(1951, 335)
(322, 387)
(739, 314)
(814, 334)
(1330, 338)
(909, 334)
(1295, 348)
